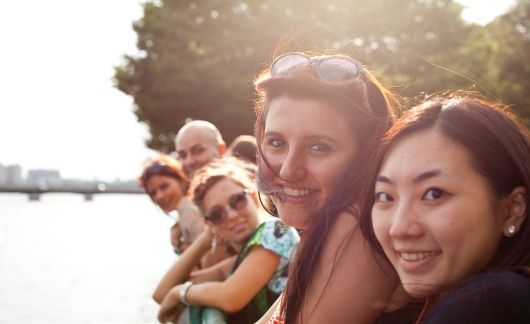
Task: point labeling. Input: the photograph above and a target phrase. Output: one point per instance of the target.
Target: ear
(221, 147)
(255, 198)
(516, 211)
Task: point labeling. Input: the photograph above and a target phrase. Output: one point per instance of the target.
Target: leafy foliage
(198, 58)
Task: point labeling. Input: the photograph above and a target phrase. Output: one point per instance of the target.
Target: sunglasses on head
(334, 68)
(236, 202)
(155, 168)
(159, 168)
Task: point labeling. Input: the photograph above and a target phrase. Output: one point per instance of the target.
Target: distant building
(44, 177)
(10, 175)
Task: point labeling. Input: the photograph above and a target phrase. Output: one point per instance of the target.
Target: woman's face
(165, 191)
(435, 216)
(240, 211)
(309, 146)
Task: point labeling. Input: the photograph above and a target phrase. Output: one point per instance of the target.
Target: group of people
(416, 219)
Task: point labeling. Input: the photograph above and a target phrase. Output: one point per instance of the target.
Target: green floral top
(281, 239)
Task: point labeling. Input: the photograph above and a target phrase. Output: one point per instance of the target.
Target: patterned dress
(274, 236)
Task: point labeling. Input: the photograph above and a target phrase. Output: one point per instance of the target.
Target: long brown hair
(366, 104)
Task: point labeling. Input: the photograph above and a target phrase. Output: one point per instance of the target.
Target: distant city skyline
(59, 108)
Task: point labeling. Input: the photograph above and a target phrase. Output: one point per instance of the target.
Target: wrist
(183, 291)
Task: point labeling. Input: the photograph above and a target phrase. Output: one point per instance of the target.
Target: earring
(511, 229)
(214, 244)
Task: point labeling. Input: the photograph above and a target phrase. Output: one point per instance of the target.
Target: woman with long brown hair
(318, 120)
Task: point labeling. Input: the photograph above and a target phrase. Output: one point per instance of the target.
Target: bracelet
(183, 290)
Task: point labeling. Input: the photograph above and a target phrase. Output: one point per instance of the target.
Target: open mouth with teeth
(417, 256)
(293, 192)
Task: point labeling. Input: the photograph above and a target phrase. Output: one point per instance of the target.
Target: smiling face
(165, 191)
(435, 216)
(197, 146)
(239, 224)
(310, 146)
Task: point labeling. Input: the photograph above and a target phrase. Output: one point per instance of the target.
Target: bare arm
(182, 268)
(349, 287)
(237, 290)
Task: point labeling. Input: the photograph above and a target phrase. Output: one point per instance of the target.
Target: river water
(65, 260)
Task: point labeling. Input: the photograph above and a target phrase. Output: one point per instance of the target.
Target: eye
(275, 142)
(433, 194)
(197, 150)
(181, 155)
(383, 197)
(320, 147)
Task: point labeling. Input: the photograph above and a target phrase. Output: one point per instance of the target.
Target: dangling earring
(214, 244)
(511, 230)
(268, 205)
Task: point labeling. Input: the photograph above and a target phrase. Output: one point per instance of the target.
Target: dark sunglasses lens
(216, 215)
(238, 201)
(287, 62)
(337, 69)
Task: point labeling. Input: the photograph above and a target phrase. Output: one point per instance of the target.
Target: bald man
(197, 143)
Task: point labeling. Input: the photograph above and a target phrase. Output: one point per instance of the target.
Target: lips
(238, 227)
(297, 192)
(417, 256)
(417, 261)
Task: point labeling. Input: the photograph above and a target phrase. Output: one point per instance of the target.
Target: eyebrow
(309, 137)
(422, 177)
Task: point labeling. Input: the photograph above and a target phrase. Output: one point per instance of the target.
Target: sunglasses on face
(334, 68)
(236, 202)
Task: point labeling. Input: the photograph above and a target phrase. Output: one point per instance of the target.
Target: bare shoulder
(352, 284)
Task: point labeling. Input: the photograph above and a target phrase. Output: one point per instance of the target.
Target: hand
(171, 307)
(175, 234)
(206, 236)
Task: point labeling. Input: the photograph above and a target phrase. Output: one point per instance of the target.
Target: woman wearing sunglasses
(318, 120)
(449, 207)
(243, 286)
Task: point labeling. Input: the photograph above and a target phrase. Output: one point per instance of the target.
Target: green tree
(198, 58)
(511, 32)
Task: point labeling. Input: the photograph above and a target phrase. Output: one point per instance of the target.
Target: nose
(157, 196)
(231, 213)
(293, 167)
(188, 161)
(405, 223)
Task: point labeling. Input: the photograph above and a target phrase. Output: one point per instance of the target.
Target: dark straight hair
(498, 145)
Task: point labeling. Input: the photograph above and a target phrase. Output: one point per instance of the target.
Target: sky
(58, 107)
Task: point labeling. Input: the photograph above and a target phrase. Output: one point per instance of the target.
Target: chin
(293, 220)
(418, 290)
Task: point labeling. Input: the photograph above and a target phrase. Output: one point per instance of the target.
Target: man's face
(195, 148)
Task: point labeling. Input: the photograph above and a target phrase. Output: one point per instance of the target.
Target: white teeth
(416, 256)
(297, 192)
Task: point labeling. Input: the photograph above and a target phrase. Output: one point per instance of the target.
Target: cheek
(332, 173)
(380, 226)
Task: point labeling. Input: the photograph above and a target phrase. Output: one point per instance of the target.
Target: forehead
(157, 179)
(194, 136)
(220, 192)
(307, 116)
(425, 151)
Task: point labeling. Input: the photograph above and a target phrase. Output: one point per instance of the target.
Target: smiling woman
(318, 120)
(243, 286)
(450, 211)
